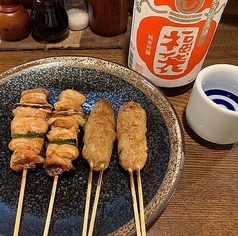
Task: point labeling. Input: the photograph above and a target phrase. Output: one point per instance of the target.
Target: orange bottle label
(170, 38)
(171, 51)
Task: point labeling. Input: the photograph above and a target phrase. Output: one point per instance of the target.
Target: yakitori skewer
(99, 136)
(28, 130)
(63, 139)
(132, 150)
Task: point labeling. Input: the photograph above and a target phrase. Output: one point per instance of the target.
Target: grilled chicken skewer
(63, 139)
(28, 130)
(132, 150)
(63, 135)
(99, 137)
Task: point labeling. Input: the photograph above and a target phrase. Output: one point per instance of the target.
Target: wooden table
(206, 199)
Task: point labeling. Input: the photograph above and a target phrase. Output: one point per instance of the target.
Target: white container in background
(170, 38)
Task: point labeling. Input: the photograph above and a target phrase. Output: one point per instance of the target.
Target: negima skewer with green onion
(28, 129)
(64, 124)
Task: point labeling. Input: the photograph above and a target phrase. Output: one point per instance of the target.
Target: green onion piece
(29, 135)
(62, 142)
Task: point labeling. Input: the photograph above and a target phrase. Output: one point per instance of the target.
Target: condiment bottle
(14, 21)
(77, 13)
(108, 17)
(49, 20)
(170, 38)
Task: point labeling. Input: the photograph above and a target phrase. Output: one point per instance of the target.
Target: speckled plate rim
(177, 154)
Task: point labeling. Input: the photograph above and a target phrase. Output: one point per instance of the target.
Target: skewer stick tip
(95, 204)
(20, 203)
(88, 196)
(50, 209)
(134, 201)
(141, 203)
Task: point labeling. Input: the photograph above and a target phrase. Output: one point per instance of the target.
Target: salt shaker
(77, 13)
(108, 17)
(14, 21)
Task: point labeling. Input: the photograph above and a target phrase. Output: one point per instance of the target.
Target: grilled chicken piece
(63, 122)
(55, 165)
(35, 98)
(63, 151)
(131, 135)
(58, 133)
(45, 107)
(33, 144)
(80, 117)
(67, 105)
(72, 95)
(31, 125)
(21, 112)
(36, 90)
(99, 135)
(25, 159)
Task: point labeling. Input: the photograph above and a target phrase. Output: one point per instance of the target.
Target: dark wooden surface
(83, 39)
(206, 199)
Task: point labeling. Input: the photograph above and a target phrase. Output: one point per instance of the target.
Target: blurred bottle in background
(77, 13)
(170, 38)
(14, 20)
(49, 20)
(108, 17)
(131, 5)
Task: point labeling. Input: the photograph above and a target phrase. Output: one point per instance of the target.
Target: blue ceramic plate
(96, 79)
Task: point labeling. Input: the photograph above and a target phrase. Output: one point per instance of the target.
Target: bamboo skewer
(134, 201)
(20, 203)
(50, 209)
(95, 204)
(141, 204)
(88, 196)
